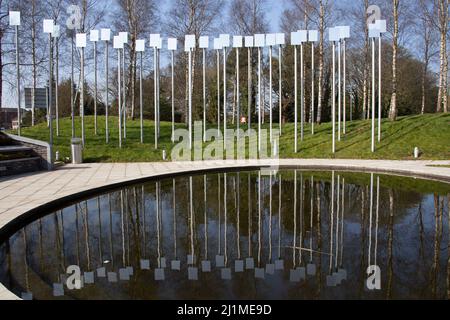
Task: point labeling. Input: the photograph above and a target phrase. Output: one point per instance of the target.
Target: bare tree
(393, 108)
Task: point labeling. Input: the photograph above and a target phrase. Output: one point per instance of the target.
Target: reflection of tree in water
(225, 216)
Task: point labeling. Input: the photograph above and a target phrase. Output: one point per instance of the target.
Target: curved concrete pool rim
(24, 196)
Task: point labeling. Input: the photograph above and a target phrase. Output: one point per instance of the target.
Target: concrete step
(19, 166)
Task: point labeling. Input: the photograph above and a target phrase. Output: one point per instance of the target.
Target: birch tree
(393, 107)
(443, 57)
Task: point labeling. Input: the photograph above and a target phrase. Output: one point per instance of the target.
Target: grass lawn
(431, 133)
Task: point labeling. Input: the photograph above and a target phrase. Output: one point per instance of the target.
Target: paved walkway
(20, 194)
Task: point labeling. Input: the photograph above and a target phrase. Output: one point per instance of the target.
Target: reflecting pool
(290, 234)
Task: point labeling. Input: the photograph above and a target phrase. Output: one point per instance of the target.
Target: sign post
(296, 41)
(381, 25)
(81, 43)
(155, 40)
(105, 35)
(249, 42)
(189, 45)
(118, 44)
(313, 36)
(303, 38)
(374, 32)
(271, 40)
(218, 47)
(94, 37)
(260, 42)
(281, 41)
(204, 44)
(14, 20)
(48, 28)
(225, 41)
(334, 37)
(55, 35)
(140, 47)
(237, 43)
(124, 38)
(172, 46)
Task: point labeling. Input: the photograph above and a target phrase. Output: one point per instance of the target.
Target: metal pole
(173, 98)
(344, 48)
(339, 90)
(224, 98)
(155, 102)
(119, 82)
(190, 99)
(379, 89)
(107, 91)
(124, 107)
(312, 88)
(373, 95)
(83, 136)
(18, 82)
(249, 86)
(295, 100)
(204, 95)
(157, 92)
(280, 58)
(238, 98)
(95, 88)
(259, 100)
(56, 86)
(218, 92)
(141, 103)
(72, 102)
(50, 98)
(270, 93)
(302, 95)
(334, 98)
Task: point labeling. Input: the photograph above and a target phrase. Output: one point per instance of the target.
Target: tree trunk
(321, 62)
(366, 65)
(393, 109)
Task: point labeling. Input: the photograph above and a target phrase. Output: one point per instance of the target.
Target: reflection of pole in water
(294, 251)
(206, 264)
(77, 234)
(100, 248)
(86, 235)
(239, 263)
(259, 272)
(225, 272)
(376, 219)
(311, 268)
(370, 220)
(330, 280)
(175, 264)
(192, 270)
(26, 295)
(220, 259)
(122, 228)
(270, 267)
(249, 262)
(338, 214)
(342, 271)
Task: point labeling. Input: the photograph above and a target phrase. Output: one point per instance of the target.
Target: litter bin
(77, 151)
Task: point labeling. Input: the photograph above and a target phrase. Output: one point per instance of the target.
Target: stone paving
(20, 194)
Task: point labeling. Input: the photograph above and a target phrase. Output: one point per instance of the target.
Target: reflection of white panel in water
(279, 264)
(89, 277)
(331, 281)
(206, 266)
(311, 269)
(112, 277)
(239, 266)
(342, 274)
(249, 263)
(270, 268)
(130, 271)
(220, 261)
(176, 265)
(123, 274)
(225, 273)
(193, 273)
(159, 274)
(302, 272)
(101, 272)
(58, 290)
(259, 273)
(145, 264)
(294, 275)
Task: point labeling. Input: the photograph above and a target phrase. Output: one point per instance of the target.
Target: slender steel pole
(295, 99)
(56, 86)
(204, 94)
(218, 92)
(270, 92)
(379, 89)
(373, 95)
(249, 87)
(83, 135)
(107, 91)
(339, 90)
(155, 100)
(72, 100)
(141, 102)
(259, 100)
(334, 98)
(173, 96)
(50, 98)
(95, 88)
(19, 125)
(302, 95)
(238, 98)
(280, 85)
(157, 91)
(312, 88)
(190, 99)
(344, 119)
(225, 98)
(119, 83)
(124, 92)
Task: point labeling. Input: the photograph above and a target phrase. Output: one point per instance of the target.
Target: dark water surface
(241, 235)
